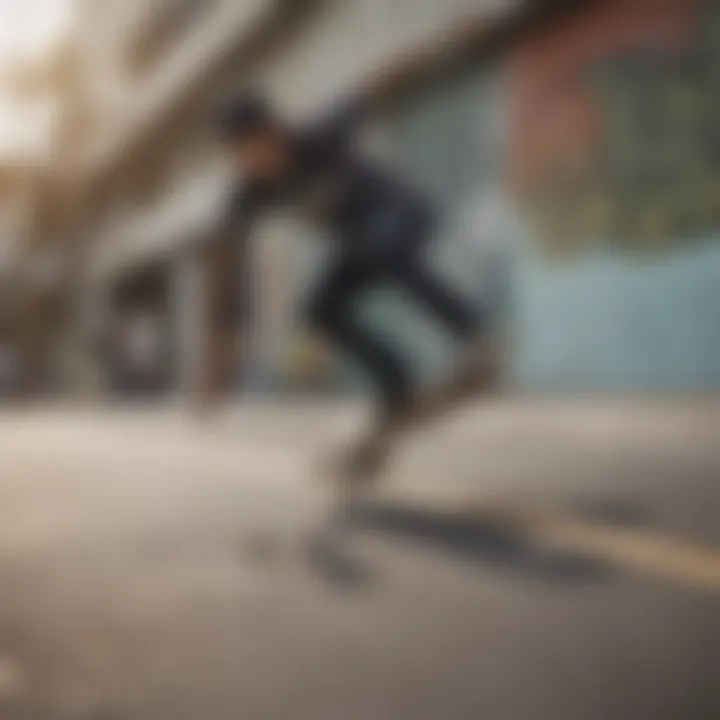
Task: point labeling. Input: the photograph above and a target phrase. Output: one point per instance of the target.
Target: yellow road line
(641, 551)
(673, 559)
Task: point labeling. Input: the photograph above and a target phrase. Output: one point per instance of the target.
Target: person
(379, 225)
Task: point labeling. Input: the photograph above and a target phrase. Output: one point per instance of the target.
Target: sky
(29, 29)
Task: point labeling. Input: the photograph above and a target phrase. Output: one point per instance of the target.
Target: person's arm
(227, 307)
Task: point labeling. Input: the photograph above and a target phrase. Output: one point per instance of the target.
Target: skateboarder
(379, 227)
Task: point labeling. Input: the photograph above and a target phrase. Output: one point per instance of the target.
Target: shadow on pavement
(483, 541)
(614, 512)
(331, 560)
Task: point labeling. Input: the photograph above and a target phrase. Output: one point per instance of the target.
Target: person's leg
(455, 312)
(476, 368)
(333, 311)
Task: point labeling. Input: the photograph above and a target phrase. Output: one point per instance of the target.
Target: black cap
(245, 115)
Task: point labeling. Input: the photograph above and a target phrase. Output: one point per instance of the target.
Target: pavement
(525, 559)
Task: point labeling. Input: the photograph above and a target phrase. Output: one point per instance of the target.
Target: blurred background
(553, 554)
(571, 145)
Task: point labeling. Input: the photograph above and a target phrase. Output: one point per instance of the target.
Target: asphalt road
(521, 562)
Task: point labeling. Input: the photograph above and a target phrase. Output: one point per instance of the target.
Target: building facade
(539, 137)
(156, 182)
(615, 157)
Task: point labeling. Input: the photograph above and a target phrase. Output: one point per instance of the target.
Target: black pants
(397, 261)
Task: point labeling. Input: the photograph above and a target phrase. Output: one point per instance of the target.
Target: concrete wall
(605, 322)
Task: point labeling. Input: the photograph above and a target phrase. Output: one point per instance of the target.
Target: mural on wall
(617, 128)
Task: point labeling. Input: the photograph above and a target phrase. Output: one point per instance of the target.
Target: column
(188, 309)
